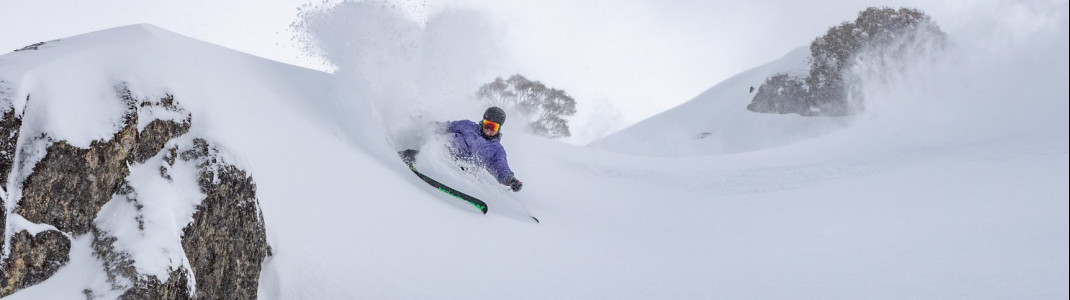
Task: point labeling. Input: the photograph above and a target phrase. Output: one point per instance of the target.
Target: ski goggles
(490, 125)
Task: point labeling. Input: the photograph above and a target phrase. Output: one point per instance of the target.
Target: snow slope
(717, 121)
(870, 211)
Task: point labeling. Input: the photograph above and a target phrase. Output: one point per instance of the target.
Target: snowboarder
(480, 143)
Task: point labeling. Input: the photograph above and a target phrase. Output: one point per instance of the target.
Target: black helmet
(495, 114)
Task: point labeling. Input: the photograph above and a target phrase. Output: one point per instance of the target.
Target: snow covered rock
(168, 216)
(9, 135)
(226, 241)
(33, 258)
(68, 186)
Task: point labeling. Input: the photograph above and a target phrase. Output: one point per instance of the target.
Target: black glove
(514, 183)
(408, 156)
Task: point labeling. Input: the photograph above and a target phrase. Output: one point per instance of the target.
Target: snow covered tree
(544, 108)
(875, 36)
(780, 92)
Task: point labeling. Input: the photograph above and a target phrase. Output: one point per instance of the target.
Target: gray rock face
(224, 250)
(66, 188)
(33, 259)
(175, 288)
(9, 137)
(69, 185)
(120, 265)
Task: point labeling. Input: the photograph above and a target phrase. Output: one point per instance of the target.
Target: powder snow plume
(1002, 72)
(399, 70)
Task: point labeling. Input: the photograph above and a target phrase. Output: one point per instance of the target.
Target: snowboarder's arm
(499, 167)
(505, 175)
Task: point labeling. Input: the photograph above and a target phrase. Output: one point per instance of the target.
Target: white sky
(622, 60)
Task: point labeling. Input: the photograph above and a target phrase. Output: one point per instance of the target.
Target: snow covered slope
(872, 211)
(717, 121)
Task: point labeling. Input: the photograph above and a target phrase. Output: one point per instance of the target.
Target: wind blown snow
(401, 72)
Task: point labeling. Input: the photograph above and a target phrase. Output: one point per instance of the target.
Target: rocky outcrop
(119, 267)
(9, 133)
(33, 46)
(224, 244)
(223, 249)
(9, 137)
(33, 259)
(175, 288)
(67, 187)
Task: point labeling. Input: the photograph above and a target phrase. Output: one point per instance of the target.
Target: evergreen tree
(544, 108)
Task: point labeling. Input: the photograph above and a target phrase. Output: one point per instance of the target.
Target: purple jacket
(468, 144)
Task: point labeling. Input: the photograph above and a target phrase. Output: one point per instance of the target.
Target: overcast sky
(629, 59)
